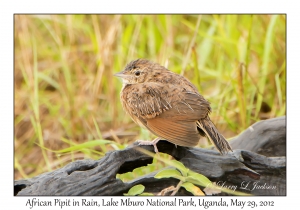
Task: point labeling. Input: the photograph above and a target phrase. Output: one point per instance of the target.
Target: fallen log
(256, 166)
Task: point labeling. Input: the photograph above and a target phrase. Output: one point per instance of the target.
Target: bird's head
(140, 71)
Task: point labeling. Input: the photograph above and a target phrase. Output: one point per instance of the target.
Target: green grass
(66, 97)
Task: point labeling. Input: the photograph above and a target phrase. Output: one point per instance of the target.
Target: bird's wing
(169, 112)
(178, 132)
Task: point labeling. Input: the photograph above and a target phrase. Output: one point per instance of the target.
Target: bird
(168, 105)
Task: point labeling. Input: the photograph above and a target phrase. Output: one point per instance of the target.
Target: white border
(8, 8)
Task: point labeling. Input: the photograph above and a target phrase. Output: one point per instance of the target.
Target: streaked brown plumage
(168, 105)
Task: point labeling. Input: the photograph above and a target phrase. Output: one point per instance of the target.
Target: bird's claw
(153, 142)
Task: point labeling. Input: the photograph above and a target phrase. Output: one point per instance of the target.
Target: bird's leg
(153, 142)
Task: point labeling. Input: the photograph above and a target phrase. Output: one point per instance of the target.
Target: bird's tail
(214, 135)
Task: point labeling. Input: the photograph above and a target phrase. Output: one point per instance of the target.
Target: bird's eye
(137, 73)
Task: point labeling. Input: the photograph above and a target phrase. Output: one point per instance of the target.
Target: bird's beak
(121, 75)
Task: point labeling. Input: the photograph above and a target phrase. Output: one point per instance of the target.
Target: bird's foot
(153, 142)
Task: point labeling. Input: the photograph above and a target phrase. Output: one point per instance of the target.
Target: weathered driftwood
(244, 168)
(267, 137)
